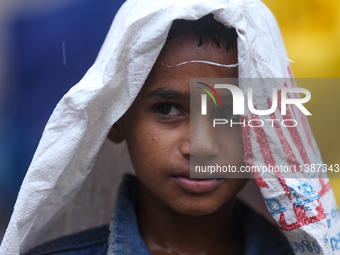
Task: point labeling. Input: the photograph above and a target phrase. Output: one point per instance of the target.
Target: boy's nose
(204, 144)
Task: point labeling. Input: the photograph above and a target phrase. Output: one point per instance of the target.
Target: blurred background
(46, 46)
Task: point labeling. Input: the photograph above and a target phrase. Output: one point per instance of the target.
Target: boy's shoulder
(89, 242)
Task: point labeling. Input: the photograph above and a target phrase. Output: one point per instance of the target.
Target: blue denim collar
(260, 236)
(124, 234)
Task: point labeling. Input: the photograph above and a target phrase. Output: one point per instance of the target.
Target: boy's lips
(196, 185)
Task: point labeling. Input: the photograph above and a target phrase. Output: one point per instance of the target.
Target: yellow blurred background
(311, 32)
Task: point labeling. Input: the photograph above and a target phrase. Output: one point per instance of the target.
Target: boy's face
(157, 130)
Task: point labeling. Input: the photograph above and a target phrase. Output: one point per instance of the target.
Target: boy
(164, 212)
(176, 214)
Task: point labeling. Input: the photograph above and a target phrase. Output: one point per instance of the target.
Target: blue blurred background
(46, 49)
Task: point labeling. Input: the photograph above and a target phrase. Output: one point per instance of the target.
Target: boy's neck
(167, 232)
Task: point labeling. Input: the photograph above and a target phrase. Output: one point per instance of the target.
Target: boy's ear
(116, 133)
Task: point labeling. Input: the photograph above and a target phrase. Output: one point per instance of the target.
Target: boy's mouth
(196, 185)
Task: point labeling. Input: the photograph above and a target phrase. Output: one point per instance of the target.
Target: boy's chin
(201, 208)
(198, 212)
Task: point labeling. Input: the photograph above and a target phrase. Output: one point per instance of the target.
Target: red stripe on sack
(305, 125)
(293, 131)
(284, 185)
(248, 154)
(306, 128)
(262, 140)
(268, 156)
(302, 219)
(287, 150)
(292, 81)
(325, 187)
(289, 97)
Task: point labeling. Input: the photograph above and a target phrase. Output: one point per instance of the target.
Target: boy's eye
(168, 109)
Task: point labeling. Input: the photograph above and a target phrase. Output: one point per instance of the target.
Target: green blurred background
(311, 32)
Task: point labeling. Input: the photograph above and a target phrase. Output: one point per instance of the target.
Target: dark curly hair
(206, 28)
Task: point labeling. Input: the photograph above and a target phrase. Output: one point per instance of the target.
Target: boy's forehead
(185, 49)
(181, 59)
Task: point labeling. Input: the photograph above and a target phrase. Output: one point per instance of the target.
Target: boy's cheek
(155, 151)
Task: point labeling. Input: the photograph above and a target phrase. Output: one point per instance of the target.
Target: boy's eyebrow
(168, 94)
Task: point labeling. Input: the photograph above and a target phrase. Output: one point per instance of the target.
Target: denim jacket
(121, 236)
